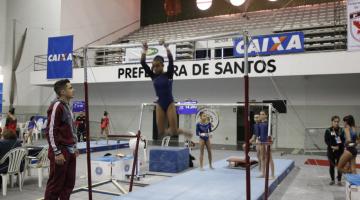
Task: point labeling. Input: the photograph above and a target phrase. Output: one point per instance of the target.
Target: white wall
(313, 100)
(2, 31)
(42, 18)
(89, 20)
(319, 90)
(324, 63)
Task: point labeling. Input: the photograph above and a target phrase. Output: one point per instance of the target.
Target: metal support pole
(88, 158)
(246, 115)
(138, 137)
(135, 161)
(268, 153)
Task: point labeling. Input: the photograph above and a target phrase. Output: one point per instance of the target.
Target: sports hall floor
(303, 182)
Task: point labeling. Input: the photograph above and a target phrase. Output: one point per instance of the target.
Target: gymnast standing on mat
(255, 138)
(263, 128)
(163, 81)
(347, 162)
(203, 130)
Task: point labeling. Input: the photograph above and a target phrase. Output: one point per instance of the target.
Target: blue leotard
(256, 130)
(203, 128)
(263, 131)
(31, 125)
(162, 83)
(353, 135)
(351, 146)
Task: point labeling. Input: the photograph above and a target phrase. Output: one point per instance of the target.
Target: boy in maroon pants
(61, 136)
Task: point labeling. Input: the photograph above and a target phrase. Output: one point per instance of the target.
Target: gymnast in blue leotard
(347, 162)
(254, 140)
(163, 81)
(203, 130)
(263, 128)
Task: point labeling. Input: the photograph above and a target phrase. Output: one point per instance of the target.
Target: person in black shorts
(81, 125)
(347, 163)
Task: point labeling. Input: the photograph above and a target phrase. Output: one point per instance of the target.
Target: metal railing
(40, 61)
(114, 54)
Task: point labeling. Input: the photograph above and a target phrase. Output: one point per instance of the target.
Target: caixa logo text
(271, 44)
(60, 57)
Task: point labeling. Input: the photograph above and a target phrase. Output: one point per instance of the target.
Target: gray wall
(312, 101)
(42, 19)
(2, 31)
(87, 20)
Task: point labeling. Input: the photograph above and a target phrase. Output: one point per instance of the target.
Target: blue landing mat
(219, 184)
(101, 145)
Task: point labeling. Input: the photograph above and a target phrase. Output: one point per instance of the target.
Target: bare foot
(201, 169)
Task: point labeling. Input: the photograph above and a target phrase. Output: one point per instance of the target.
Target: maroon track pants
(62, 177)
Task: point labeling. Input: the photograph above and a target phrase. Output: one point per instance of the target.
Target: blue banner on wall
(282, 43)
(59, 58)
(188, 109)
(78, 106)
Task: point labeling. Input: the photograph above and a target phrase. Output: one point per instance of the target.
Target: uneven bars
(270, 118)
(271, 108)
(169, 42)
(141, 115)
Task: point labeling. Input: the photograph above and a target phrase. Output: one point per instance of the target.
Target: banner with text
(282, 43)
(204, 69)
(59, 58)
(78, 106)
(133, 55)
(188, 109)
(353, 20)
(325, 63)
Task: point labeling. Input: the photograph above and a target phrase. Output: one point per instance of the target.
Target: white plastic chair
(39, 125)
(15, 157)
(41, 162)
(3, 121)
(43, 127)
(21, 127)
(165, 141)
(145, 150)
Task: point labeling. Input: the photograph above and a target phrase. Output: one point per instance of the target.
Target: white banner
(353, 17)
(132, 55)
(342, 62)
(217, 43)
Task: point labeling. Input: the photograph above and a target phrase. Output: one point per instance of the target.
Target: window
(228, 52)
(202, 54)
(218, 53)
